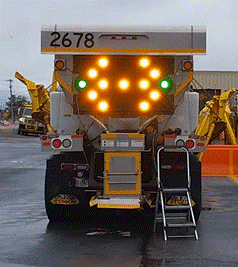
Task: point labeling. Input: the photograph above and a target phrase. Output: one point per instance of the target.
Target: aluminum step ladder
(177, 215)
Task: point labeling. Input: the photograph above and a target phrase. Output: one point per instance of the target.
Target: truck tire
(21, 129)
(196, 185)
(55, 184)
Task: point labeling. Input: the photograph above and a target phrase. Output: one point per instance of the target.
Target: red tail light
(44, 137)
(67, 166)
(189, 143)
(56, 143)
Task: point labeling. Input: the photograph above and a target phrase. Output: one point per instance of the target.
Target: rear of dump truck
(124, 121)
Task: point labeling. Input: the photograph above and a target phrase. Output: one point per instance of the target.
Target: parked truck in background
(27, 124)
(123, 122)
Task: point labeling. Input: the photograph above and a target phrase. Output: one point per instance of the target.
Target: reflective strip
(136, 135)
(170, 136)
(129, 50)
(63, 201)
(91, 202)
(184, 84)
(108, 135)
(176, 202)
(62, 83)
(46, 144)
(231, 172)
(118, 206)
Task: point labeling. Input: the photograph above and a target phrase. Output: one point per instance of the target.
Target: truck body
(27, 124)
(123, 120)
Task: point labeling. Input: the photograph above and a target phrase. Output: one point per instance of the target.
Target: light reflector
(60, 64)
(187, 65)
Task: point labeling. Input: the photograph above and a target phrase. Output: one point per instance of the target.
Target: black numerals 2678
(65, 41)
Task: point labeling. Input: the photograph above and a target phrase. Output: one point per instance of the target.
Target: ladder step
(178, 236)
(177, 207)
(172, 216)
(168, 190)
(178, 225)
(160, 219)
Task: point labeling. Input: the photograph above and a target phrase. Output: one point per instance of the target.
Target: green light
(81, 84)
(165, 84)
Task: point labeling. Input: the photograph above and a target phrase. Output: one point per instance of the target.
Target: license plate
(81, 182)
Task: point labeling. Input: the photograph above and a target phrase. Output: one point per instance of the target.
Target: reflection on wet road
(27, 239)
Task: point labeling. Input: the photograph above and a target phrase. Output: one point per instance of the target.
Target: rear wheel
(60, 212)
(196, 186)
(59, 187)
(20, 129)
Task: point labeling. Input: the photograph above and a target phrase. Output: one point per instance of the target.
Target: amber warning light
(123, 85)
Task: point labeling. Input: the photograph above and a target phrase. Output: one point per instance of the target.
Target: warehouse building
(215, 80)
(209, 83)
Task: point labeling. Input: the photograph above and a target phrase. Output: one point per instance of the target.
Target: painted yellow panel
(107, 190)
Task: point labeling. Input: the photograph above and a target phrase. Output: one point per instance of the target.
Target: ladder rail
(159, 182)
(163, 215)
(192, 215)
(190, 221)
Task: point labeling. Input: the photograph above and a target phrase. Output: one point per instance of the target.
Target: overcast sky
(21, 21)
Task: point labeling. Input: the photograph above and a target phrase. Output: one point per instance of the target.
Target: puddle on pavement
(108, 232)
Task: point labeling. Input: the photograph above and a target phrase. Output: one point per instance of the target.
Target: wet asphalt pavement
(27, 238)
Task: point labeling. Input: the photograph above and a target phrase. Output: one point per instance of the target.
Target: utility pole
(10, 80)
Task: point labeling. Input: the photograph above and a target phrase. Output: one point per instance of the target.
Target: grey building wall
(222, 80)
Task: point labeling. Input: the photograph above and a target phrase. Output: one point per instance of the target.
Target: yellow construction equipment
(40, 101)
(216, 117)
(26, 123)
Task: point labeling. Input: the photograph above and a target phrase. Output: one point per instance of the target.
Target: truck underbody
(67, 197)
